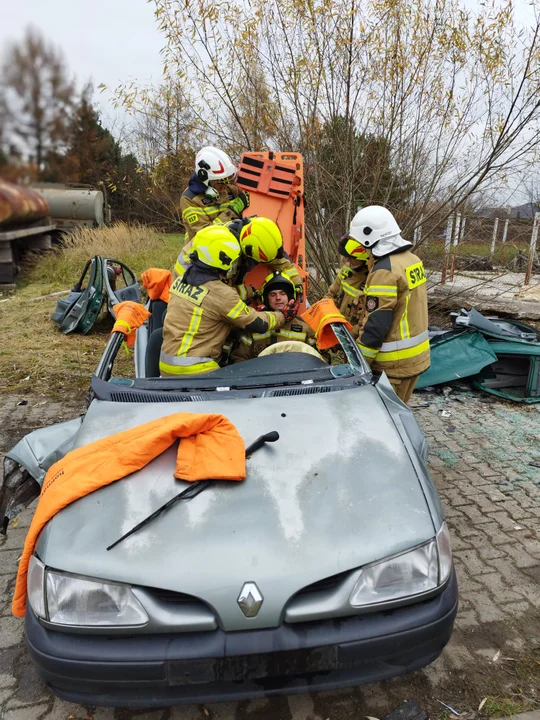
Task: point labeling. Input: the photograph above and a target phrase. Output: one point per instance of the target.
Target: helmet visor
(354, 249)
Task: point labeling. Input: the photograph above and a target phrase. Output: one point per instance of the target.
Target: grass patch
(35, 357)
(498, 707)
(503, 254)
(137, 246)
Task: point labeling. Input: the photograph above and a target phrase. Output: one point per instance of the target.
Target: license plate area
(252, 667)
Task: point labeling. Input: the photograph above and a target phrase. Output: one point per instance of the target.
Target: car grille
(303, 391)
(329, 583)
(170, 597)
(147, 397)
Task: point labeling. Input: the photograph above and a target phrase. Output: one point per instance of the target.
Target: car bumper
(159, 670)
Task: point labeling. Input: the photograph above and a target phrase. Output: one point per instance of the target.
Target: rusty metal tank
(20, 205)
(73, 206)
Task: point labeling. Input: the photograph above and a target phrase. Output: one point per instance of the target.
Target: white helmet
(376, 228)
(213, 164)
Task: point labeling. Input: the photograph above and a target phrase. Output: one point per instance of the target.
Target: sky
(106, 41)
(113, 41)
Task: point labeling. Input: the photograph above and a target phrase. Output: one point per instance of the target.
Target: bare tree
(39, 96)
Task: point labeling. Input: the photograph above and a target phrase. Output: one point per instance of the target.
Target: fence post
(505, 230)
(494, 238)
(457, 227)
(532, 248)
(462, 234)
(417, 234)
(447, 241)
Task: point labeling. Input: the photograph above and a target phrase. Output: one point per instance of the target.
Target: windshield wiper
(195, 488)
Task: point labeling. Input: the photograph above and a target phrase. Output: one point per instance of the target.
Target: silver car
(329, 566)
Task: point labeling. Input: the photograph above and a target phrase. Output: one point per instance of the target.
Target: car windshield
(277, 370)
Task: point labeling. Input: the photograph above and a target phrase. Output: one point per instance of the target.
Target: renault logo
(250, 599)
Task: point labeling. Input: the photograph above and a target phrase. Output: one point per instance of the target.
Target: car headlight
(444, 548)
(35, 586)
(73, 600)
(412, 573)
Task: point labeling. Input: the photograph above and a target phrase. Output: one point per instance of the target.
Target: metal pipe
(455, 242)
(447, 241)
(494, 237)
(532, 249)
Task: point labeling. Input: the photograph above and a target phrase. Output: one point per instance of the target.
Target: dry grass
(136, 245)
(34, 355)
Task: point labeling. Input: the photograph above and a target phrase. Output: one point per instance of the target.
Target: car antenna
(195, 488)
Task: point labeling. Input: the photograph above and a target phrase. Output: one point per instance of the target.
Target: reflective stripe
(124, 323)
(338, 317)
(367, 351)
(349, 289)
(193, 328)
(179, 269)
(404, 323)
(389, 290)
(193, 210)
(246, 341)
(236, 310)
(242, 291)
(404, 344)
(272, 321)
(261, 336)
(289, 273)
(197, 367)
(403, 354)
(292, 334)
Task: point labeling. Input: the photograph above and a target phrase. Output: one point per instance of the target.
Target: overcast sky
(111, 41)
(107, 41)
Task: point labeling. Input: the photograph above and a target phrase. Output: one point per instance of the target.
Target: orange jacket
(157, 283)
(211, 448)
(319, 316)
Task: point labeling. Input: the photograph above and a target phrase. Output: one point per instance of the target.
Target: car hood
(336, 491)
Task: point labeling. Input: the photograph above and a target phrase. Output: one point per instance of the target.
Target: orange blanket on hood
(210, 448)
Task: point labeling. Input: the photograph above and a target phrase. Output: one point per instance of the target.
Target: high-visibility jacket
(347, 292)
(394, 337)
(211, 448)
(198, 321)
(282, 264)
(199, 210)
(250, 345)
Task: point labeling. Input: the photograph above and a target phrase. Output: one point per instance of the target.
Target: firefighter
(211, 195)
(394, 335)
(278, 293)
(203, 307)
(261, 242)
(347, 289)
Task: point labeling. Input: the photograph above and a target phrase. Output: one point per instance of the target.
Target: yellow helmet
(260, 239)
(217, 247)
(349, 247)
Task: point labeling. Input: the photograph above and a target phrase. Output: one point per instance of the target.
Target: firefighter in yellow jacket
(278, 293)
(211, 196)
(394, 336)
(261, 242)
(203, 308)
(347, 289)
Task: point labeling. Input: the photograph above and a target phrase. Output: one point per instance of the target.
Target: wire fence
(465, 255)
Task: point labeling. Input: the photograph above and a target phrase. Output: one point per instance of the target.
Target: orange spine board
(276, 187)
